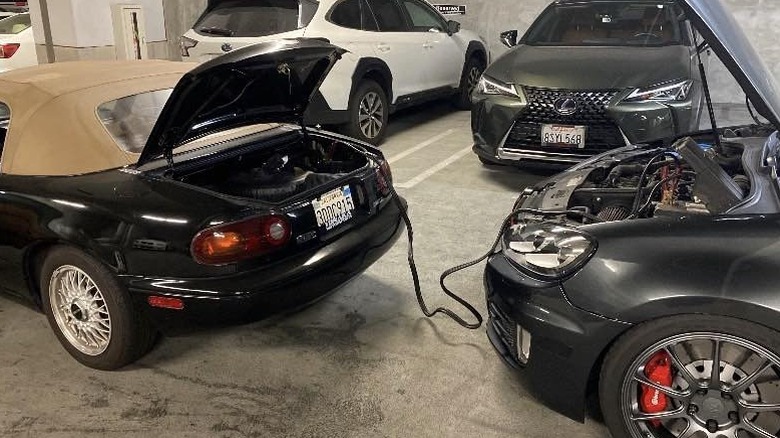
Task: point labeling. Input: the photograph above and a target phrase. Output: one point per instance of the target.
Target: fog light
(523, 345)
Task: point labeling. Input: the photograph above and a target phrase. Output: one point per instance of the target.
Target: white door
(442, 52)
(402, 50)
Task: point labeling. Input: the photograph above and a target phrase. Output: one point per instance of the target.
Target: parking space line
(433, 170)
(420, 146)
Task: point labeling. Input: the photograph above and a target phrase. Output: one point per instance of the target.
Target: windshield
(15, 24)
(254, 18)
(607, 24)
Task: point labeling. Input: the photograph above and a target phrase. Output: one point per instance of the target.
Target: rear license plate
(334, 208)
(564, 136)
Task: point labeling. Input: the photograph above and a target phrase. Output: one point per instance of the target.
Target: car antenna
(706, 87)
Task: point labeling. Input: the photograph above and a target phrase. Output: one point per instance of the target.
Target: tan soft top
(54, 127)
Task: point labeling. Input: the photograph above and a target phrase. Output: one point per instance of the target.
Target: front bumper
(567, 343)
(286, 285)
(507, 130)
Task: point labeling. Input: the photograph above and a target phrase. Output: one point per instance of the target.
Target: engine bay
(688, 178)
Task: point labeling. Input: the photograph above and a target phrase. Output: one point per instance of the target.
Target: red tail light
(8, 50)
(242, 240)
(384, 177)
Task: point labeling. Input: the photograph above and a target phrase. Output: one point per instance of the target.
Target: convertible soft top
(54, 127)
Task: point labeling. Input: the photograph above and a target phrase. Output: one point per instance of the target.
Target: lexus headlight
(548, 250)
(668, 92)
(495, 87)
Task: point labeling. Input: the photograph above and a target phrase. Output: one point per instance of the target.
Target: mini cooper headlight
(546, 249)
(667, 92)
(495, 87)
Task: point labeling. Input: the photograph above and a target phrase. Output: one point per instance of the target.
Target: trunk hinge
(169, 158)
(167, 151)
(303, 129)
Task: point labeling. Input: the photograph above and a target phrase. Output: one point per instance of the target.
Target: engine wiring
(638, 199)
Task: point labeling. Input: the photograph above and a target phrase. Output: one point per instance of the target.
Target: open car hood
(263, 83)
(727, 39)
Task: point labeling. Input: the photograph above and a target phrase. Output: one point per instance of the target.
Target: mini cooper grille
(504, 327)
(602, 134)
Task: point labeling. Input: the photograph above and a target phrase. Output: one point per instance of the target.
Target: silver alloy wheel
(473, 79)
(371, 114)
(742, 400)
(80, 310)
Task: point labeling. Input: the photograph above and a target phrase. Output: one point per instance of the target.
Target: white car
(400, 52)
(17, 45)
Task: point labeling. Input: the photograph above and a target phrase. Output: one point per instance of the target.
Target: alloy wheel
(79, 309)
(473, 79)
(721, 386)
(371, 115)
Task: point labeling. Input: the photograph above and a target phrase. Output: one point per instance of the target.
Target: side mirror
(453, 27)
(509, 38)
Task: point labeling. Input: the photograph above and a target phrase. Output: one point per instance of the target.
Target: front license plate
(334, 208)
(564, 136)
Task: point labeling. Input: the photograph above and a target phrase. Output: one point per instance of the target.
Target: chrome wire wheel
(371, 115)
(722, 386)
(472, 79)
(79, 309)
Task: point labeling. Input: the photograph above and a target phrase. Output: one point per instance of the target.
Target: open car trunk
(276, 170)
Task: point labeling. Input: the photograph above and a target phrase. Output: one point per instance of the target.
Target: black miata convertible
(647, 275)
(142, 196)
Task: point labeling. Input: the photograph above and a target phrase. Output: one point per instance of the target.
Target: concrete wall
(180, 15)
(83, 29)
(758, 17)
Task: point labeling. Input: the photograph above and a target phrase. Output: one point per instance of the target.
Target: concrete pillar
(180, 15)
(83, 29)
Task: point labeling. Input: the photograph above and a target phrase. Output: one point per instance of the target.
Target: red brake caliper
(659, 370)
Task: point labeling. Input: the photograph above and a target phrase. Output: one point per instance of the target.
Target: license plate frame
(564, 136)
(334, 208)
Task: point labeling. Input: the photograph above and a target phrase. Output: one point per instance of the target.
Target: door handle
(383, 47)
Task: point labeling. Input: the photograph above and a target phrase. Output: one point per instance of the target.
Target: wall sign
(451, 9)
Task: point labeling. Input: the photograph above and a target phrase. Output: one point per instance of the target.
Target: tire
(118, 335)
(368, 113)
(469, 79)
(692, 339)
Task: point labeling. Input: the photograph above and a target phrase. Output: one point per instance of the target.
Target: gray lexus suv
(587, 77)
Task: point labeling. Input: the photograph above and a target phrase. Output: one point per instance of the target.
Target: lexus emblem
(565, 106)
(227, 47)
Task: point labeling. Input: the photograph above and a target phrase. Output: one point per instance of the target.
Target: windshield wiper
(217, 31)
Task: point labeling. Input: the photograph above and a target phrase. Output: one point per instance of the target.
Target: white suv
(401, 52)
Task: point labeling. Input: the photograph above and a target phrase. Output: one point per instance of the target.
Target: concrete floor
(361, 363)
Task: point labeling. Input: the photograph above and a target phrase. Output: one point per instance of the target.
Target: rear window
(608, 24)
(15, 24)
(255, 18)
(130, 119)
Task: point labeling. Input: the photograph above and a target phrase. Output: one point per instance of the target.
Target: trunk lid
(264, 83)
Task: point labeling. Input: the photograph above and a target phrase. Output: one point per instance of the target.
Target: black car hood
(592, 68)
(727, 39)
(264, 83)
